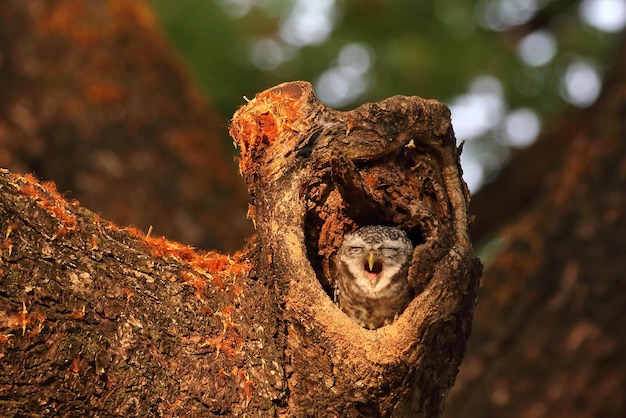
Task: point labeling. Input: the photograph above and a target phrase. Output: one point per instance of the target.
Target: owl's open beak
(373, 268)
(370, 260)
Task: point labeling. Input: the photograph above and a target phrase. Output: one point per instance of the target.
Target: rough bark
(548, 338)
(313, 174)
(98, 320)
(92, 98)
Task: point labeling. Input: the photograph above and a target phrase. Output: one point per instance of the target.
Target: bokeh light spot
(537, 49)
(605, 15)
(581, 83)
(521, 128)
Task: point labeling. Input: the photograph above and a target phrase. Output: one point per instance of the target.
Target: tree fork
(313, 174)
(99, 320)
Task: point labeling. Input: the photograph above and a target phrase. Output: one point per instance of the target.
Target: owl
(372, 267)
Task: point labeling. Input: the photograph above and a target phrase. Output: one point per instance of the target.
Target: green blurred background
(505, 67)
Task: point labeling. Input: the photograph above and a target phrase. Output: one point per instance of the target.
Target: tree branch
(98, 320)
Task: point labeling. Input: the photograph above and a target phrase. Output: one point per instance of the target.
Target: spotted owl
(372, 266)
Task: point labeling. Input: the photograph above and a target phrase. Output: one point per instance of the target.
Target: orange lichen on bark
(226, 316)
(205, 267)
(238, 292)
(135, 232)
(23, 319)
(217, 280)
(267, 128)
(244, 383)
(48, 198)
(213, 261)
(58, 211)
(128, 293)
(220, 268)
(205, 310)
(76, 363)
(7, 244)
(236, 267)
(162, 247)
(239, 268)
(196, 281)
(230, 345)
(260, 122)
(77, 313)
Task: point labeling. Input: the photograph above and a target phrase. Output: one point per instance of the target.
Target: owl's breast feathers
(374, 309)
(372, 268)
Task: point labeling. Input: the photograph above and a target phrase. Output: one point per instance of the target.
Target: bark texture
(92, 97)
(98, 320)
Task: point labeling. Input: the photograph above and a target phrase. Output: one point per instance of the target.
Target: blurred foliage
(431, 49)
(415, 53)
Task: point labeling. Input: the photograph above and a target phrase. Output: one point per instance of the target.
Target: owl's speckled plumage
(372, 265)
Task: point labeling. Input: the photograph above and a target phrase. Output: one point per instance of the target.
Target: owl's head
(374, 255)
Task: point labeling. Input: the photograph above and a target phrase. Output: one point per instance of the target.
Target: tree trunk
(548, 339)
(98, 320)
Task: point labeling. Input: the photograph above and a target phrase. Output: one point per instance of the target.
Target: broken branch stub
(315, 174)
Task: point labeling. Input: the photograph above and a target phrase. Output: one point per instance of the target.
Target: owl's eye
(355, 251)
(389, 251)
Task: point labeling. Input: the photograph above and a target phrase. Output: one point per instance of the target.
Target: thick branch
(101, 321)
